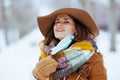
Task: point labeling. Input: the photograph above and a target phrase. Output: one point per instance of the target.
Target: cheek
(71, 29)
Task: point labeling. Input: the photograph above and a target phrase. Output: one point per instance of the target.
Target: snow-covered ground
(18, 59)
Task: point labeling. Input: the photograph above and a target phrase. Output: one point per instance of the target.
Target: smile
(59, 30)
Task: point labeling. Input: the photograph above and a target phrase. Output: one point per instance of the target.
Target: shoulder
(97, 68)
(41, 43)
(41, 47)
(97, 57)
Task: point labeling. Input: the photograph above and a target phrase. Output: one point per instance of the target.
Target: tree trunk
(112, 26)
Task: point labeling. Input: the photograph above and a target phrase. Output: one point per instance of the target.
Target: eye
(56, 21)
(66, 22)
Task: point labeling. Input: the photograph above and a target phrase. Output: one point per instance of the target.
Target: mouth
(59, 30)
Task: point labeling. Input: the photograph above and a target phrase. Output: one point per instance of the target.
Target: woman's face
(63, 26)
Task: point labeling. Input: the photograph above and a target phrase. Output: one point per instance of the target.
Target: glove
(44, 68)
(63, 44)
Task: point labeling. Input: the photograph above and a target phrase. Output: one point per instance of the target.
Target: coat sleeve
(97, 71)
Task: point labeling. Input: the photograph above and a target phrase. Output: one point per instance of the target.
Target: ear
(90, 36)
(75, 33)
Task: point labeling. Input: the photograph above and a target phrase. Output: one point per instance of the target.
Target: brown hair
(81, 31)
(80, 34)
(50, 37)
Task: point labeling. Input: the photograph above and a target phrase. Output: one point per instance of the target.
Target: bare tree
(25, 13)
(112, 25)
(17, 18)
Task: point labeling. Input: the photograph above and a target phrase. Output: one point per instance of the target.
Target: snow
(18, 59)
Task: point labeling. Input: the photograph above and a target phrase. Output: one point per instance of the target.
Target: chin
(59, 37)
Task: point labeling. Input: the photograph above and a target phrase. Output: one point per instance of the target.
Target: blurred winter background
(20, 35)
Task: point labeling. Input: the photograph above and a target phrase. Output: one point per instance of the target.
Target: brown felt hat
(46, 22)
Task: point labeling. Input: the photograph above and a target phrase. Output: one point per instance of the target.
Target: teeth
(59, 29)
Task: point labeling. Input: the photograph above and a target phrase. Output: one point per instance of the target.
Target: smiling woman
(63, 26)
(68, 51)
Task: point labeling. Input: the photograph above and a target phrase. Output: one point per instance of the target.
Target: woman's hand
(44, 68)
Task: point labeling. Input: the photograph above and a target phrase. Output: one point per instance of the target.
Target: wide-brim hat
(46, 22)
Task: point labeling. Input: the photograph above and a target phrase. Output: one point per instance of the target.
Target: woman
(68, 51)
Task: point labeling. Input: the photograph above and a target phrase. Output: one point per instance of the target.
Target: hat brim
(46, 22)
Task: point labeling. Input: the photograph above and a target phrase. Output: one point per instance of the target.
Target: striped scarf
(71, 59)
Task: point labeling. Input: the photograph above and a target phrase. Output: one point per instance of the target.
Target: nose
(60, 23)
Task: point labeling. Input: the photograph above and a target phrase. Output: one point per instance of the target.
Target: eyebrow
(64, 18)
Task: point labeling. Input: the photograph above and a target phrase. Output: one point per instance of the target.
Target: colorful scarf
(69, 60)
